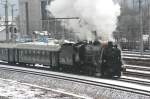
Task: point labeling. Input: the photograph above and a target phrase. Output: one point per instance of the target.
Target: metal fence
(133, 45)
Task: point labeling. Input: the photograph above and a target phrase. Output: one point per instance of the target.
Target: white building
(31, 13)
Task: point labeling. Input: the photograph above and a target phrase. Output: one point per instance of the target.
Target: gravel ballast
(95, 92)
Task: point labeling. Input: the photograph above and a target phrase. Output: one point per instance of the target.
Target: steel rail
(81, 80)
(138, 68)
(139, 75)
(146, 83)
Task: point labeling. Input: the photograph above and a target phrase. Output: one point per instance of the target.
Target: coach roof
(39, 46)
(7, 45)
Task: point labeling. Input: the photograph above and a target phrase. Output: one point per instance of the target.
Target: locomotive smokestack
(95, 35)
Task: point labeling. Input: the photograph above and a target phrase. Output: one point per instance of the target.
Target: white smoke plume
(99, 15)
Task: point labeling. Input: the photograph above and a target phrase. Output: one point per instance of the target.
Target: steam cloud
(99, 15)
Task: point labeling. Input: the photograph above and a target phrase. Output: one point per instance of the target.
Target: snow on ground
(14, 90)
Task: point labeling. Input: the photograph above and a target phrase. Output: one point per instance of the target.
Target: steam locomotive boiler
(95, 58)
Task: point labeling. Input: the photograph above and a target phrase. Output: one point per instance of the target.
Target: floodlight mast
(6, 20)
(141, 28)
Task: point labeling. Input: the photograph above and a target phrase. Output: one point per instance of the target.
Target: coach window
(33, 52)
(29, 52)
(21, 53)
(44, 55)
(47, 54)
(25, 52)
(43, 52)
(4, 51)
(1, 51)
(38, 54)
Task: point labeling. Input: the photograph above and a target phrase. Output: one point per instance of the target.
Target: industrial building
(31, 14)
(34, 17)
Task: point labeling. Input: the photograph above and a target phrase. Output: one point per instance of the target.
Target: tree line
(128, 26)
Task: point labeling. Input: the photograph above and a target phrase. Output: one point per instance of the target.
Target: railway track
(132, 70)
(137, 71)
(81, 79)
(136, 59)
(135, 80)
(138, 67)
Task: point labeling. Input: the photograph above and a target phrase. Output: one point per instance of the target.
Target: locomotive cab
(111, 65)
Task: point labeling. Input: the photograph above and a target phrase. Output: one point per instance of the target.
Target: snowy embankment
(16, 90)
(83, 89)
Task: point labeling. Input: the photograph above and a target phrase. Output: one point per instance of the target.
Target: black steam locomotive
(92, 58)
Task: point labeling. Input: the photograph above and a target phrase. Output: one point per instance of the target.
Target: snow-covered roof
(7, 45)
(41, 33)
(39, 46)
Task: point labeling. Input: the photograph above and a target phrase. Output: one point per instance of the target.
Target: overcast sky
(10, 2)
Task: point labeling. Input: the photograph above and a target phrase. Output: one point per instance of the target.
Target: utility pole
(141, 28)
(6, 20)
(133, 3)
(148, 14)
(12, 12)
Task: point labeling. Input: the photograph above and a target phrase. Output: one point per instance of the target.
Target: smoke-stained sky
(2, 10)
